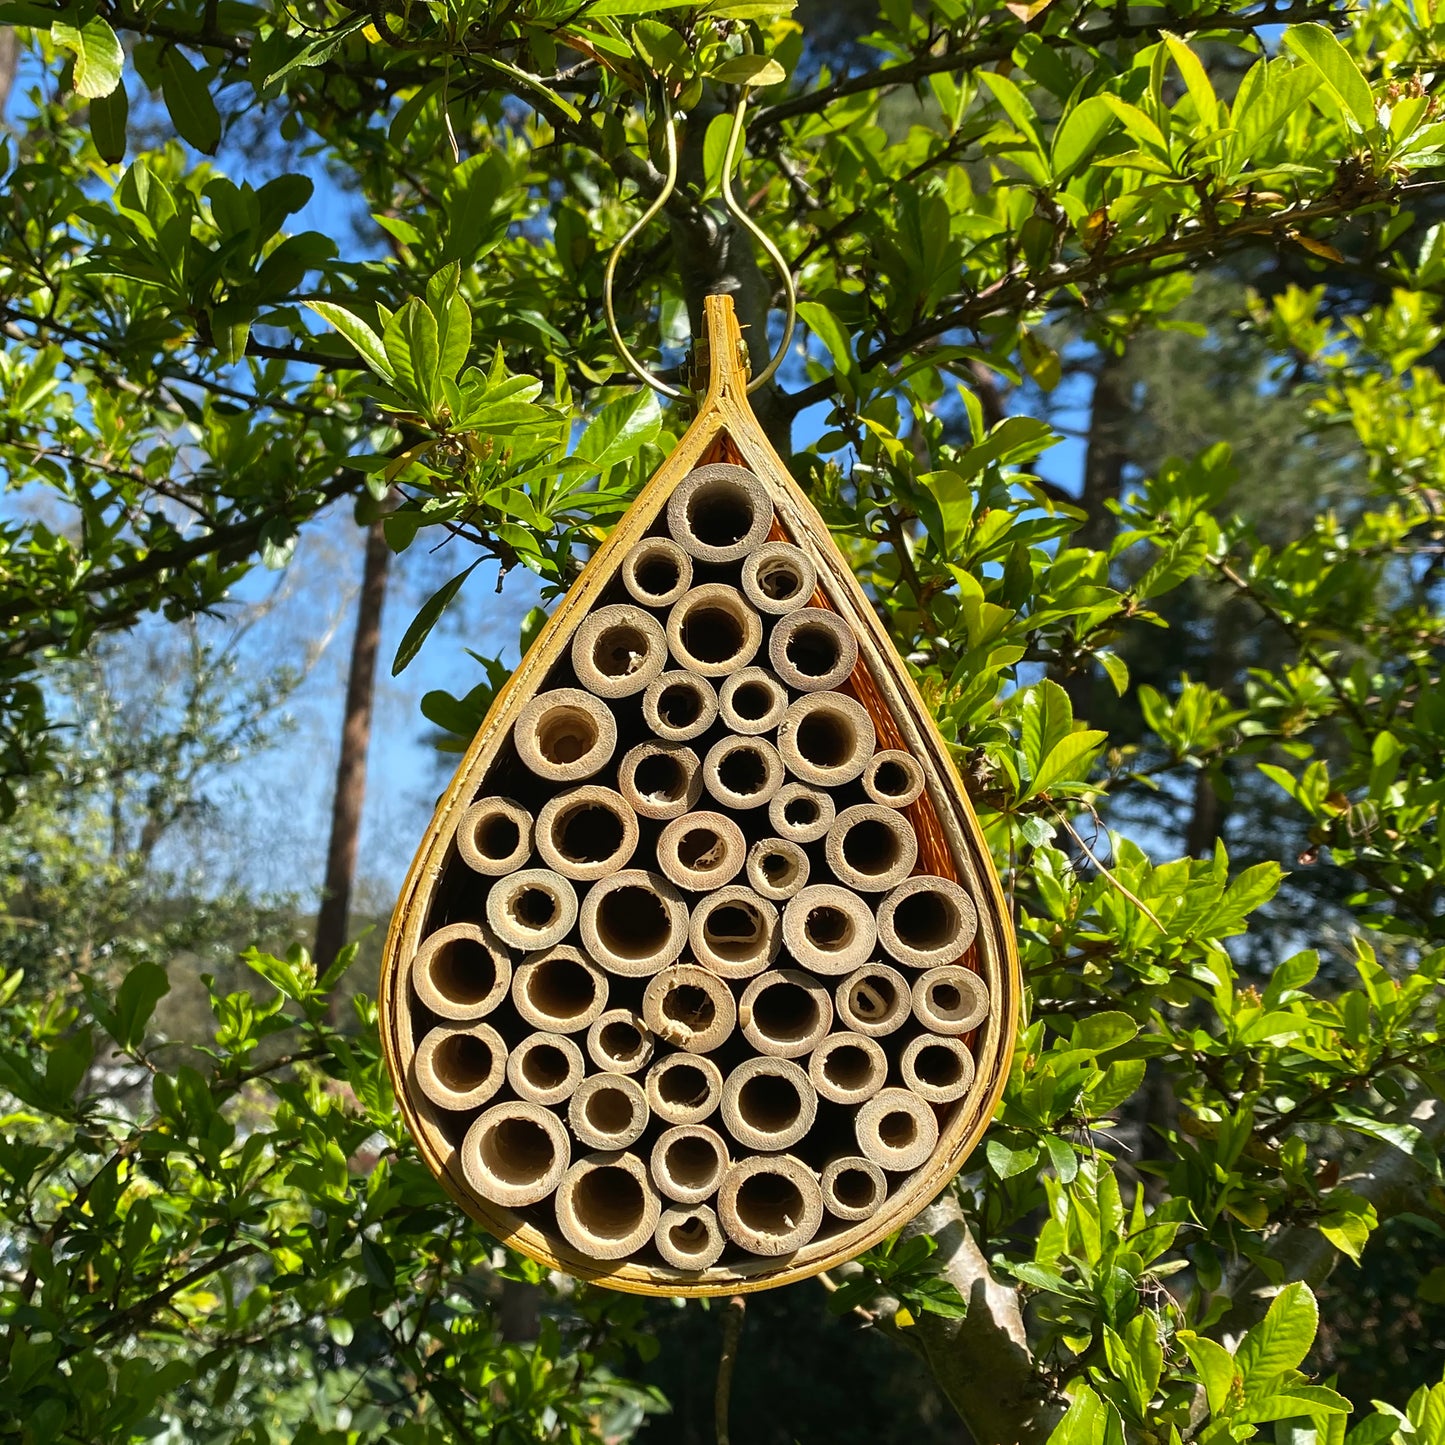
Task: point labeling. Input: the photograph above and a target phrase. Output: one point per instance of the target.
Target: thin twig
(1129, 894)
(732, 1329)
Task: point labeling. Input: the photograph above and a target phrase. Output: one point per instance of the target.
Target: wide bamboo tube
(777, 869)
(689, 1238)
(812, 649)
(770, 1204)
(460, 1069)
(853, 1187)
(768, 1103)
(559, 991)
(461, 972)
(690, 1008)
(656, 571)
(826, 739)
(618, 650)
(679, 706)
(619, 1042)
(688, 1162)
(608, 1111)
(702, 850)
(927, 921)
(939, 1069)
(874, 1000)
(634, 923)
(778, 578)
(712, 631)
(495, 836)
(800, 814)
(828, 929)
(606, 1205)
(848, 1068)
(742, 772)
(734, 933)
(532, 909)
(660, 779)
(587, 833)
(785, 1013)
(950, 1000)
(869, 847)
(893, 778)
(515, 1153)
(683, 1088)
(752, 701)
(566, 735)
(719, 513)
(896, 1130)
(545, 1068)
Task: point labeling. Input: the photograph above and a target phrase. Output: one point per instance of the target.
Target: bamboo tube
(778, 578)
(461, 972)
(896, 1130)
(515, 1153)
(702, 850)
(460, 1069)
(828, 929)
(742, 772)
(608, 1111)
(660, 779)
(848, 1068)
(679, 706)
(606, 1205)
(812, 649)
(532, 909)
(800, 814)
(690, 1008)
(927, 921)
(566, 735)
(869, 847)
(689, 1239)
(777, 869)
(937, 1069)
(634, 923)
(495, 836)
(618, 650)
(734, 933)
(719, 513)
(619, 1042)
(587, 833)
(559, 991)
(893, 778)
(656, 571)
(752, 701)
(874, 1000)
(768, 1103)
(683, 1088)
(854, 1188)
(545, 1068)
(950, 1000)
(770, 1204)
(688, 1162)
(826, 739)
(784, 1013)
(712, 631)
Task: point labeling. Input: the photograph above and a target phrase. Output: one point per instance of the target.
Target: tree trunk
(9, 63)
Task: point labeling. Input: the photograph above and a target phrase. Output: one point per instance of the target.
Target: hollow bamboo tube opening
(532, 909)
(515, 1153)
(812, 649)
(950, 1000)
(688, 1162)
(683, 1088)
(778, 578)
(587, 832)
(874, 1000)
(608, 1111)
(752, 701)
(826, 738)
(690, 1008)
(800, 814)
(634, 923)
(712, 631)
(559, 991)
(785, 1013)
(927, 921)
(719, 513)
(619, 1042)
(777, 869)
(742, 772)
(893, 778)
(828, 929)
(545, 1068)
(495, 836)
(853, 1187)
(606, 1205)
(848, 1068)
(461, 972)
(679, 706)
(734, 933)
(703, 850)
(690, 1238)
(656, 571)
(871, 847)
(770, 1205)
(618, 650)
(768, 1103)
(566, 735)
(460, 1069)
(660, 779)
(896, 1130)
(939, 1069)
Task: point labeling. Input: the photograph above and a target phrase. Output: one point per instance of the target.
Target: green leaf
(620, 430)
(1196, 80)
(1046, 719)
(135, 1001)
(99, 59)
(1318, 48)
(189, 102)
(427, 618)
(367, 343)
(634, 7)
(1405, 1137)
(1280, 1341)
(750, 70)
(1214, 1365)
(414, 351)
(108, 117)
(1069, 761)
(1079, 132)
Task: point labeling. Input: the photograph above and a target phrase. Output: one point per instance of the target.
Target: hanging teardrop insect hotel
(702, 979)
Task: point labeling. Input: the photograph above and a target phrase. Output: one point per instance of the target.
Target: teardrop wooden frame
(725, 429)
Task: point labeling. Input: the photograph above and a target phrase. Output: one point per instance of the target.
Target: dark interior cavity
(656, 574)
(945, 997)
(873, 998)
(588, 833)
(517, 1151)
(733, 931)
(938, 1066)
(620, 1040)
(769, 1203)
(679, 705)
(770, 1103)
(700, 849)
(544, 1066)
(779, 579)
(752, 701)
(786, 1012)
(712, 634)
(533, 907)
(800, 812)
(619, 651)
(462, 1062)
(720, 514)
(688, 1237)
(892, 779)
(660, 778)
(871, 847)
(683, 1086)
(609, 1111)
(825, 739)
(497, 836)
(847, 1067)
(608, 1202)
(828, 928)
(926, 921)
(690, 1006)
(853, 1188)
(564, 734)
(813, 649)
(897, 1130)
(692, 1162)
(463, 971)
(561, 988)
(632, 922)
(778, 868)
(743, 771)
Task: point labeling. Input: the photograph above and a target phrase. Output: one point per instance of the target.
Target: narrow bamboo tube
(770, 1204)
(566, 735)
(619, 1042)
(869, 847)
(495, 836)
(828, 929)
(587, 833)
(768, 1103)
(460, 1069)
(812, 649)
(893, 778)
(515, 1153)
(950, 1000)
(660, 779)
(532, 909)
(545, 1068)
(618, 650)
(896, 1130)
(927, 921)
(752, 701)
(656, 571)
(690, 1008)
(742, 772)
(826, 739)
(684, 1088)
(559, 991)
(679, 706)
(778, 578)
(608, 1111)
(785, 1013)
(800, 814)
(848, 1068)
(688, 1162)
(734, 933)
(690, 1238)
(461, 972)
(702, 850)
(712, 631)
(777, 869)
(874, 1000)
(939, 1069)
(719, 513)
(853, 1187)
(634, 923)
(606, 1205)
